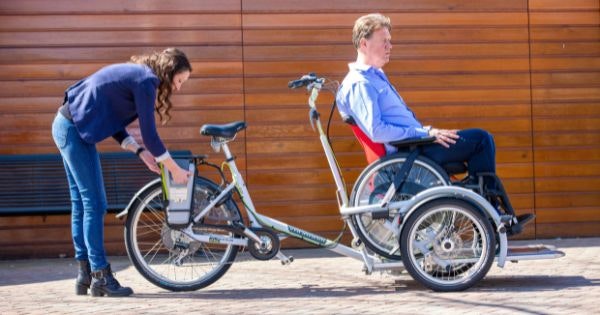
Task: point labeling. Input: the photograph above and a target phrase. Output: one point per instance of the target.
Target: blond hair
(366, 25)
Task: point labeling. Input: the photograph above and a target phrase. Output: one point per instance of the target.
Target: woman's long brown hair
(165, 65)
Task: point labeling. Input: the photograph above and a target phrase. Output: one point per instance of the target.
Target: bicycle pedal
(285, 260)
(289, 261)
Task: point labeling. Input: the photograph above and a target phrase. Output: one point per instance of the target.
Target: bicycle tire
(154, 248)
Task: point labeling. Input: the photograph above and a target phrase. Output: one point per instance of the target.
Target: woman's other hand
(150, 162)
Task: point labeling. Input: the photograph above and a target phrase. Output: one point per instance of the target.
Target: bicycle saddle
(224, 131)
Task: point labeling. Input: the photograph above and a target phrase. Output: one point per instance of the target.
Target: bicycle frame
(258, 220)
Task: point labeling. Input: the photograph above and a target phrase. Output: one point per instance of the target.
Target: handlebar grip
(304, 80)
(296, 83)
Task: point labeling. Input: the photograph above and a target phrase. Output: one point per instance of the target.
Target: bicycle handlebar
(303, 81)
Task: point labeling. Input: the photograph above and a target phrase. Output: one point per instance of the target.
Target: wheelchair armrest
(412, 142)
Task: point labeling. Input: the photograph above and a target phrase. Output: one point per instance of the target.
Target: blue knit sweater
(104, 103)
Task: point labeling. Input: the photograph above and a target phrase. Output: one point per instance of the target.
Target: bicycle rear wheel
(167, 257)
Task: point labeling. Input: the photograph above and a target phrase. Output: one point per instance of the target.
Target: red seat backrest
(373, 151)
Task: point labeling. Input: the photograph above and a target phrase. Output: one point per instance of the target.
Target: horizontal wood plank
(401, 51)
(564, 33)
(120, 38)
(546, 5)
(404, 34)
(333, 20)
(381, 5)
(105, 55)
(586, 17)
(81, 70)
(45, 88)
(117, 6)
(571, 229)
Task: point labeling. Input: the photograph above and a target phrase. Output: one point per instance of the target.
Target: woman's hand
(444, 137)
(180, 175)
(148, 159)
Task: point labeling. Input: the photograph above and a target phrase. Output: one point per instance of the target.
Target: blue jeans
(86, 185)
(475, 146)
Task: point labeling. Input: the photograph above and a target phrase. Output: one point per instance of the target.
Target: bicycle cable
(331, 87)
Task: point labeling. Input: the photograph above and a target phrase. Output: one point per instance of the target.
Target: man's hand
(444, 137)
(149, 161)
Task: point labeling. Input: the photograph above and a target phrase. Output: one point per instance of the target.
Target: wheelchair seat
(374, 151)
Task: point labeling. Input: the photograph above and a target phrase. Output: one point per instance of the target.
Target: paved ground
(318, 282)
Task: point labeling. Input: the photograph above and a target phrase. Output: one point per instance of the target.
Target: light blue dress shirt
(367, 95)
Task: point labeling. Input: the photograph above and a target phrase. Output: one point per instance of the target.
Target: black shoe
(522, 220)
(104, 283)
(84, 278)
(525, 218)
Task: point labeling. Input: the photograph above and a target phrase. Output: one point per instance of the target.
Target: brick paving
(318, 282)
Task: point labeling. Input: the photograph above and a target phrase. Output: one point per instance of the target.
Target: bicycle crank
(267, 248)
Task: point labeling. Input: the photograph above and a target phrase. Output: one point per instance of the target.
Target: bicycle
(447, 236)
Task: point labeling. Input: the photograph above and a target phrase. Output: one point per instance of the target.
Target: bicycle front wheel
(167, 257)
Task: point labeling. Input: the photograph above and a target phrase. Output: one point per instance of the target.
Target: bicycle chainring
(270, 244)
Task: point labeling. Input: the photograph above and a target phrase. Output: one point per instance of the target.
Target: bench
(37, 184)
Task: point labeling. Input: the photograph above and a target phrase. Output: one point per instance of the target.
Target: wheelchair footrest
(532, 252)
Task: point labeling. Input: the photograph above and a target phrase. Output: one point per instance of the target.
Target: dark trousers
(475, 146)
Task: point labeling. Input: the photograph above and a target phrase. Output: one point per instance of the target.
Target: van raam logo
(311, 237)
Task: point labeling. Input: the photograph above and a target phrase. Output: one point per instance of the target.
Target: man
(369, 98)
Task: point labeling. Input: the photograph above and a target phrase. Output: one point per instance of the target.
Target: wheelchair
(412, 173)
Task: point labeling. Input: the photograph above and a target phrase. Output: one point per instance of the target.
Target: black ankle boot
(104, 283)
(84, 278)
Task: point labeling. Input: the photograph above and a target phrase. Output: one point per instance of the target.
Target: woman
(95, 108)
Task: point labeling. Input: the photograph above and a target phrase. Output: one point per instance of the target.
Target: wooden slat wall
(526, 70)
(565, 78)
(45, 46)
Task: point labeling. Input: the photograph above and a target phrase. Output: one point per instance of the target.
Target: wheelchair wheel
(371, 186)
(447, 245)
